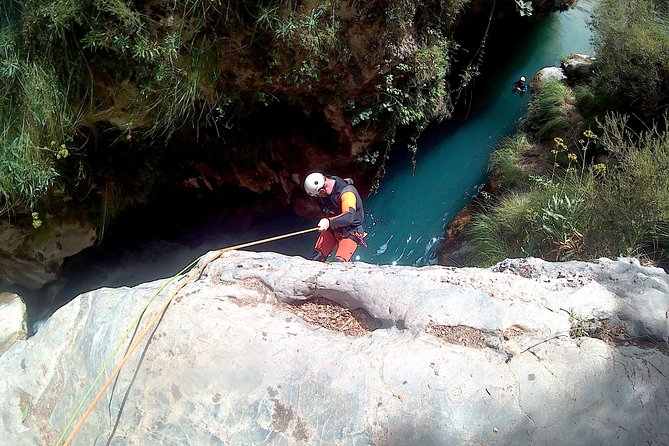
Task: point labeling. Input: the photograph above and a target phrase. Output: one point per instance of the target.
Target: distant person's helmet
(522, 78)
(313, 183)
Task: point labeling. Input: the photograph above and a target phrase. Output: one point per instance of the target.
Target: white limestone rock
(231, 364)
(545, 75)
(578, 66)
(13, 320)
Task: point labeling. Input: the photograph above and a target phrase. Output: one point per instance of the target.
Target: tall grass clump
(505, 161)
(546, 115)
(630, 209)
(35, 120)
(546, 220)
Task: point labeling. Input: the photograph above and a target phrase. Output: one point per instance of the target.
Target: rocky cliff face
(267, 349)
(247, 93)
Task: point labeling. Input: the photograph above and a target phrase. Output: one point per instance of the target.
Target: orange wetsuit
(346, 215)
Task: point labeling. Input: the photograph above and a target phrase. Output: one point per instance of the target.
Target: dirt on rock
(458, 334)
(325, 313)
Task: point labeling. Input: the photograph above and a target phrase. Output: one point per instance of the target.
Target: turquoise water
(408, 215)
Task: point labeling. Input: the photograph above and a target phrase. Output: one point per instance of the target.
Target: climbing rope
(156, 317)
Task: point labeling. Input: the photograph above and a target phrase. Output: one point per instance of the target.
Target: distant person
(341, 201)
(520, 85)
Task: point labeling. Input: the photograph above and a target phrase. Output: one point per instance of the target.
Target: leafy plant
(580, 326)
(632, 46)
(524, 8)
(559, 218)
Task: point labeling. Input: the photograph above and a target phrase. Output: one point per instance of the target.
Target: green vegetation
(585, 211)
(545, 218)
(35, 115)
(607, 193)
(546, 116)
(505, 161)
(632, 40)
(72, 70)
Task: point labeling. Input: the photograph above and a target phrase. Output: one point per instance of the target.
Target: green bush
(547, 221)
(631, 207)
(632, 45)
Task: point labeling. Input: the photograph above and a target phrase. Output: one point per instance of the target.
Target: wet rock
(32, 257)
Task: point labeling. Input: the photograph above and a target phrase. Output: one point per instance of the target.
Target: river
(410, 212)
(406, 218)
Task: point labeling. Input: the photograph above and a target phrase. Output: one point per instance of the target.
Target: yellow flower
(559, 143)
(572, 156)
(600, 169)
(36, 221)
(62, 153)
(589, 134)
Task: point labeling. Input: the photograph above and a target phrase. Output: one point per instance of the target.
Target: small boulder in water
(578, 66)
(546, 75)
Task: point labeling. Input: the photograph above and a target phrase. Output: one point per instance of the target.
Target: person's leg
(324, 245)
(345, 250)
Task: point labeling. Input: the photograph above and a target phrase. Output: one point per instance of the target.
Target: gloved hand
(323, 225)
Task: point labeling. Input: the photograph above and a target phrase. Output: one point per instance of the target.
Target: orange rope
(157, 316)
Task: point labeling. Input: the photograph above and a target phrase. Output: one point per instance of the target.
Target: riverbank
(606, 194)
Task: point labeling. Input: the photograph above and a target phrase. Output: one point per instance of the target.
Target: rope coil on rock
(156, 317)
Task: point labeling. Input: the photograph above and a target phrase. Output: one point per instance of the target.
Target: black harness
(332, 206)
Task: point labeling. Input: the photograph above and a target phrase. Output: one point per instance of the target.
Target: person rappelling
(343, 225)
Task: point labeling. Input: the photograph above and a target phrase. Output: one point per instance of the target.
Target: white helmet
(522, 78)
(313, 183)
